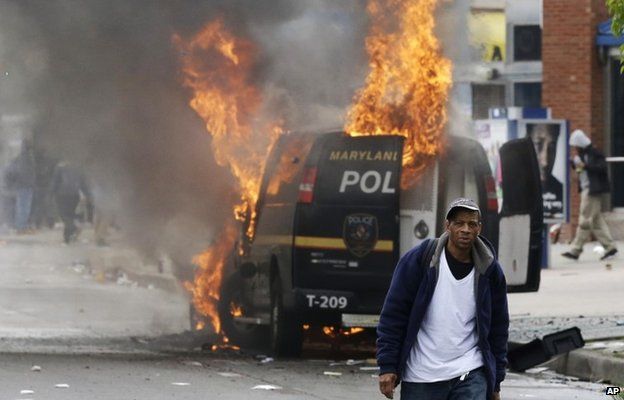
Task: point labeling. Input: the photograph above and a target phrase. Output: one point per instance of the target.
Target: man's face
(463, 228)
(545, 148)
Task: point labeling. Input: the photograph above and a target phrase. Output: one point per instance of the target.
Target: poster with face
(549, 140)
(492, 134)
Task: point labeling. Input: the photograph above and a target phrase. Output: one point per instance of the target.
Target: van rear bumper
(329, 306)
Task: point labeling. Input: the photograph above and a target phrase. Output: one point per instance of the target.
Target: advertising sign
(549, 140)
(488, 34)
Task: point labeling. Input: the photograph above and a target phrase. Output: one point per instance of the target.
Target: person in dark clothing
(68, 183)
(444, 325)
(43, 205)
(20, 177)
(591, 167)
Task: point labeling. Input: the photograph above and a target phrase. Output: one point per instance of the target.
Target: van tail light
(306, 187)
(492, 200)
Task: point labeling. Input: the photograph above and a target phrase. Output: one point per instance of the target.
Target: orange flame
(207, 284)
(217, 66)
(407, 87)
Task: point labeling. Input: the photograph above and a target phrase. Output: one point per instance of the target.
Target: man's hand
(387, 383)
(496, 396)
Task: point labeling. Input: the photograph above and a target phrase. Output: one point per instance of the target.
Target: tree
(616, 8)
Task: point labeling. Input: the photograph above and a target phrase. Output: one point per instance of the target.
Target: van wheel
(286, 330)
(242, 334)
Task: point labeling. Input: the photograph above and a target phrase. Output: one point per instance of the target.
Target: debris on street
(27, 391)
(36, 368)
(332, 373)
(180, 383)
(230, 374)
(193, 363)
(61, 386)
(266, 387)
(536, 370)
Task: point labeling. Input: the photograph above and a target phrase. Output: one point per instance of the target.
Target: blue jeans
(23, 206)
(473, 387)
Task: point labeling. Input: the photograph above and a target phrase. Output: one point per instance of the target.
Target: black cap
(463, 202)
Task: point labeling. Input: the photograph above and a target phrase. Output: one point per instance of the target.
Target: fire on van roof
(407, 87)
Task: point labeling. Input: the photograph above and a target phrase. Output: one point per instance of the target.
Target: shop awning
(605, 35)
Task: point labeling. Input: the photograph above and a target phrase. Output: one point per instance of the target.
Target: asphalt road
(218, 377)
(55, 312)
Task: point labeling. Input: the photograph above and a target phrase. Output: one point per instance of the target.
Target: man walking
(68, 184)
(444, 325)
(591, 168)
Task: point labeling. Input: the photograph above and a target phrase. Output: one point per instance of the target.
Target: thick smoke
(100, 82)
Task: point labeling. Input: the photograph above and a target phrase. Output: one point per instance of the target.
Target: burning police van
(332, 221)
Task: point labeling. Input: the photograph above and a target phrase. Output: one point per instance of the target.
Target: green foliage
(616, 9)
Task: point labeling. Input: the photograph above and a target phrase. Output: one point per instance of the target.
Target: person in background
(591, 167)
(68, 184)
(444, 325)
(43, 213)
(20, 177)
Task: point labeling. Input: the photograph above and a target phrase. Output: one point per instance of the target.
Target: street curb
(589, 365)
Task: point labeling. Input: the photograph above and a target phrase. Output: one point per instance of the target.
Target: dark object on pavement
(569, 255)
(539, 351)
(608, 254)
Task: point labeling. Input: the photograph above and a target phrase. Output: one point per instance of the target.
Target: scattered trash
(230, 374)
(193, 363)
(27, 391)
(554, 233)
(122, 280)
(36, 368)
(78, 268)
(599, 250)
(355, 362)
(608, 266)
(332, 373)
(266, 387)
(619, 323)
(180, 384)
(369, 368)
(61, 386)
(536, 370)
(267, 360)
(596, 345)
(139, 340)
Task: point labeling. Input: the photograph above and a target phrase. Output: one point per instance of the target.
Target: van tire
(242, 334)
(286, 333)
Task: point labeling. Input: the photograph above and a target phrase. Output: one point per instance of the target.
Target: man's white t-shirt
(447, 343)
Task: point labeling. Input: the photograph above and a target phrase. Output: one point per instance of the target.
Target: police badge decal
(360, 233)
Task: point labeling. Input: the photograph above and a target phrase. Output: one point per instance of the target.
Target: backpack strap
(427, 255)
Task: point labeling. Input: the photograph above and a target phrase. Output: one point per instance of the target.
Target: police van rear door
(521, 218)
(347, 226)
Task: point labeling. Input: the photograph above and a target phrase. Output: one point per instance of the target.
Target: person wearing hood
(591, 167)
(444, 325)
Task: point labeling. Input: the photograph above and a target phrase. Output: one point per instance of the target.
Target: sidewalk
(115, 262)
(588, 294)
